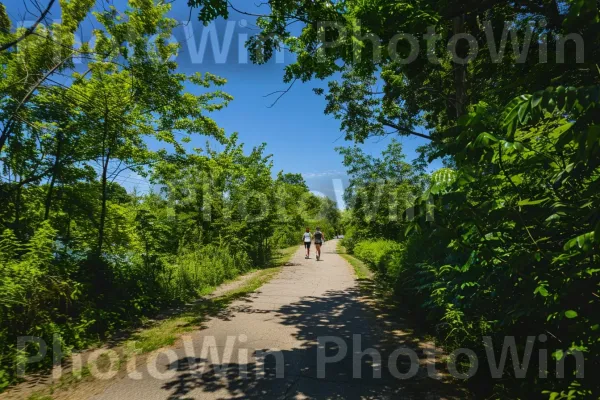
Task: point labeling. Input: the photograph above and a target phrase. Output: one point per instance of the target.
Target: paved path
(286, 316)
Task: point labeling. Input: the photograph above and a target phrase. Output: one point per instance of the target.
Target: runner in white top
(306, 238)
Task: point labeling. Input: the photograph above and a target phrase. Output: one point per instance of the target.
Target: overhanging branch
(406, 131)
(29, 30)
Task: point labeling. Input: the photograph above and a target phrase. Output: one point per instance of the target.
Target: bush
(195, 271)
(383, 257)
(286, 236)
(32, 290)
(42, 294)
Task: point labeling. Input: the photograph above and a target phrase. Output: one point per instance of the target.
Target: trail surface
(306, 301)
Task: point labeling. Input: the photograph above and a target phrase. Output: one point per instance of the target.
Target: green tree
(381, 190)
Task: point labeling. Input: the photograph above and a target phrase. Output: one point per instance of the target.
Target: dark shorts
(318, 243)
(307, 245)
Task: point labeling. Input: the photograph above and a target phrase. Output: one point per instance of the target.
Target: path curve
(286, 317)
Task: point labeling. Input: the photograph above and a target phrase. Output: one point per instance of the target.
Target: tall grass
(39, 295)
(196, 271)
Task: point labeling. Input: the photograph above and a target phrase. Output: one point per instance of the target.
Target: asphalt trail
(267, 346)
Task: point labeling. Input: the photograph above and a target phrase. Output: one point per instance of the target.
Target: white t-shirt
(307, 237)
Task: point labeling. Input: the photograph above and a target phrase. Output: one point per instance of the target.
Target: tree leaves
(210, 9)
(521, 109)
(542, 290)
(583, 242)
(528, 202)
(485, 139)
(571, 314)
(512, 113)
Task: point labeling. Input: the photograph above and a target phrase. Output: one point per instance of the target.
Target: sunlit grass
(166, 332)
(283, 256)
(360, 268)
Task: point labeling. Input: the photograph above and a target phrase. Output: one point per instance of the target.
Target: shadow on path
(337, 326)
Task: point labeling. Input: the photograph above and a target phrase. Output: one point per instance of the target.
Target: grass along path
(157, 334)
(360, 268)
(169, 330)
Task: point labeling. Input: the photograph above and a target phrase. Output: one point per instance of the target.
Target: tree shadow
(336, 318)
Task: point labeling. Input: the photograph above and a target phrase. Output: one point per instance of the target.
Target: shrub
(286, 236)
(383, 257)
(33, 292)
(195, 271)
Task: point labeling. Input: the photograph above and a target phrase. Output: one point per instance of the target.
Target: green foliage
(513, 247)
(195, 270)
(380, 191)
(31, 289)
(361, 270)
(383, 257)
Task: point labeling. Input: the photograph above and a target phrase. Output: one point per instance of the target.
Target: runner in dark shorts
(319, 239)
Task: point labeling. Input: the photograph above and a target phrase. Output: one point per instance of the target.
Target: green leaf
(528, 202)
(541, 290)
(518, 146)
(560, 97)
(510, 114)
(558, 355)
(513, 146)
(584, 242)
(547, 96)
(537, 98)
(570, 314)
(551, 106)
(553, 217)
(524, 113)
(517, 179)
(561, 130)
(485, 139)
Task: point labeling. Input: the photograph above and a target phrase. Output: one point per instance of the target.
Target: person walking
(319, 240)
(307, 238)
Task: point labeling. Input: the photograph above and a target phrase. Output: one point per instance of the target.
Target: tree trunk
(17, 221)
(103, 209)
(104, 182)
(55, 169)
(68, 234)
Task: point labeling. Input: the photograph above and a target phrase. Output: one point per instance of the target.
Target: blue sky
(300, 136)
